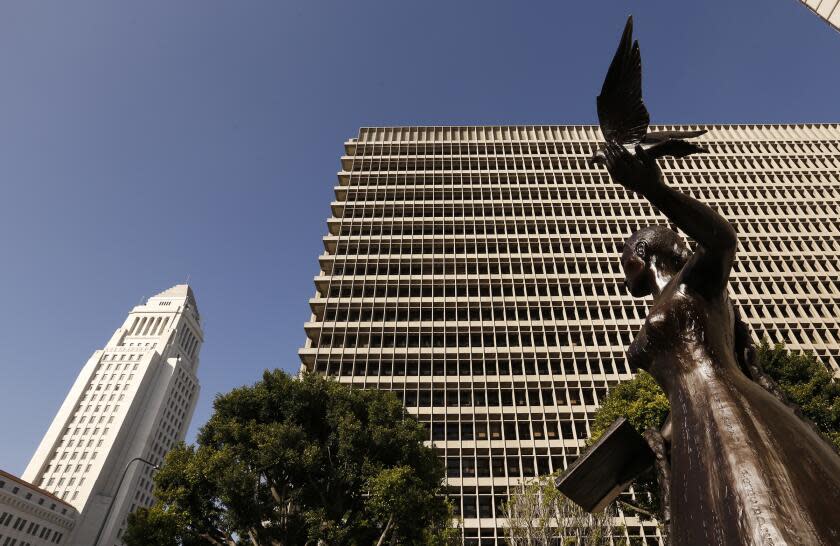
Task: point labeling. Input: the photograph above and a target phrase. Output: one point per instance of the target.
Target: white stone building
(133, 398)
(30, 516)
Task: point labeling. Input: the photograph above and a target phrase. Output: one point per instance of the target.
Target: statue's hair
(670, 247)
(665, 243)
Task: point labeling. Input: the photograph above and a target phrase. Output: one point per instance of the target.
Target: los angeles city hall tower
(474, 272)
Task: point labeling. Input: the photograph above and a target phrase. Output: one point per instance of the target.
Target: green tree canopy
(807, 383)
(293, 462)
(640, 400)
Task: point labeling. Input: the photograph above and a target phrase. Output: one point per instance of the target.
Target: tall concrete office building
(133, 398)
(474, 272)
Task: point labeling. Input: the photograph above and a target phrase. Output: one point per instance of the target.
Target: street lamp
(114, 498)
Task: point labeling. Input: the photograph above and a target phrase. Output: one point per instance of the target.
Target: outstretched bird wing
(621, 112)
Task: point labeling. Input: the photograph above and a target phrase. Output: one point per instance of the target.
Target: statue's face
(637, 274)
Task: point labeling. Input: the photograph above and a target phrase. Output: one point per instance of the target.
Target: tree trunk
(385, 531)
(638, 509)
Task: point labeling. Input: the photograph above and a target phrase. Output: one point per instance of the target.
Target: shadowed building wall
(474, 272)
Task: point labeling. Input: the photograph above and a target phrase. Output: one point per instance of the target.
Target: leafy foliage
(808, 384)
(640, 400)
(158, 527)
(289, 462)
(540, 515)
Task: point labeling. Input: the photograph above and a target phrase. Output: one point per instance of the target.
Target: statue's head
(651, 252)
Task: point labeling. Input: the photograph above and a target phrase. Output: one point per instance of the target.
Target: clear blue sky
(143, 142)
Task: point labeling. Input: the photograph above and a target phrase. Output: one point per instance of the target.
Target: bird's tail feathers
(661, 136)
(675, 148)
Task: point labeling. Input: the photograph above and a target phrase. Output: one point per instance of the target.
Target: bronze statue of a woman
(744, 468)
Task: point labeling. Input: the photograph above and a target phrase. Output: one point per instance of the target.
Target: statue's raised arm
(707, 271)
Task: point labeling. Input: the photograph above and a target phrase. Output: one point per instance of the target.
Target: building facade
(474, 272)
(133, 398)
(31, 516)
(827, 9)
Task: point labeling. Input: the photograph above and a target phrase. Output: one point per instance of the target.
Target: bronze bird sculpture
(622, 113)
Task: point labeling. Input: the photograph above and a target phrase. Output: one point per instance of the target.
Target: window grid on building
(474, 272)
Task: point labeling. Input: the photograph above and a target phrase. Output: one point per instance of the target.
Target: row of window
(148, 326)
(498, 338)
(747, 134)
(594, 185)
(801, 237)
(580, 163)
(487, 467)
(392, 288)
(478, 158)
(632, 310)
(552, 146)
(804, 311)
(489, 211)
(15, 490)
(780, 289)
(70, 482)
(72, 455)
(34, 529)
(493, 396)
(368, 365)
(112, 357)
(513, 245)
(66, 468)
(538, 265)
(99, 388)
(465, 363)
(557, 310)
(564, 226)
(527, 428)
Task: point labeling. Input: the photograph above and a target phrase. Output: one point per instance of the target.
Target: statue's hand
(640, 174)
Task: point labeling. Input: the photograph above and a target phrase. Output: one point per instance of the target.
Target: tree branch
(637, 508)
(385, 531)
(226, 541)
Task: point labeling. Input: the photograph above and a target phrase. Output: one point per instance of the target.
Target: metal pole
(114, 498)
